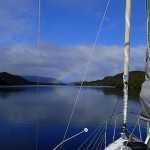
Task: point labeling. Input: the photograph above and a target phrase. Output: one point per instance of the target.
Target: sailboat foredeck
(117, 145)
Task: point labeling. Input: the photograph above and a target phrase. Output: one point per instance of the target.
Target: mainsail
(145, 90)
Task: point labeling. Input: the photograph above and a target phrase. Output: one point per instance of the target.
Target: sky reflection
(53, 105)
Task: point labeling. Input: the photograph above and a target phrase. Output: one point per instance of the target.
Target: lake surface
(31, 121)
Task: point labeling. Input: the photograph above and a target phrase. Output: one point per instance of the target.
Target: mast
(126, 61)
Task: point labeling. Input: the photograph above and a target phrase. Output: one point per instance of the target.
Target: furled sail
(145, 90)
(126, 60)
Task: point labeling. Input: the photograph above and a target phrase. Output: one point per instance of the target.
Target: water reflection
(53, 105)
(22, 109)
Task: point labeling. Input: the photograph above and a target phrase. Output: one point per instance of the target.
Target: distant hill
(9, 79)
(136, 78)
(44, 80)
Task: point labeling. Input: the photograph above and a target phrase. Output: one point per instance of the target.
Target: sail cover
(145, 89)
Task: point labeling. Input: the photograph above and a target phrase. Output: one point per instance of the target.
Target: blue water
(29, 120)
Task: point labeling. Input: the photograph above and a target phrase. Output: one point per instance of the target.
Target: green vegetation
(136, 78)
(9, 79)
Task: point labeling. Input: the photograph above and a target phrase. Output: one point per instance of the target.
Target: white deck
(117, 145)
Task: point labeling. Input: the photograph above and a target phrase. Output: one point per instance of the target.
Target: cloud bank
(18, 50)
(68, 63)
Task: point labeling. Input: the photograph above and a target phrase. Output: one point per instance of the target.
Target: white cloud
(17, 20)
(68, 63)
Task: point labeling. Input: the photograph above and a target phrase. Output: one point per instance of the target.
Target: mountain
(9, 79)
(44, 80)
(136, 78)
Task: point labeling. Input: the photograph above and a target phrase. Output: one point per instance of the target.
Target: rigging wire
(132, 132)
(98, 127)
(139, 127)
(101, 142)
(95, 137)
(137, 123)
(38, 51)
(38, 57)
(98, 138)
(85, 130)
(114, 110)
(115, 129)
(106, 133)
(111, 118)
(134, 135)
(86, 69)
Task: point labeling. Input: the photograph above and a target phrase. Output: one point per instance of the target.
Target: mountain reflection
(53, 105)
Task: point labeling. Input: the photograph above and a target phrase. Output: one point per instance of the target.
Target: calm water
(26, 117)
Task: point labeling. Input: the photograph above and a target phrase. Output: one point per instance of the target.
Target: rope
(85, 130)
(112, 114)
(98, 138)
(38, 56)
(107, 124)
(106, 134)
(94, 138)
(101, 142)
(115, 129)
(89, 60)
(134, 135)
(132, 131)
(113, 110)
(139, 128)
(36, 135)
(88, 138)
(99, 127)
(38, 44)
(125, 99)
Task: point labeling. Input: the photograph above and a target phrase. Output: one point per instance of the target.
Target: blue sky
(68, 31)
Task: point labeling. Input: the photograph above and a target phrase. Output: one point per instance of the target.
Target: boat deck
(117, 145)
(124, 144)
